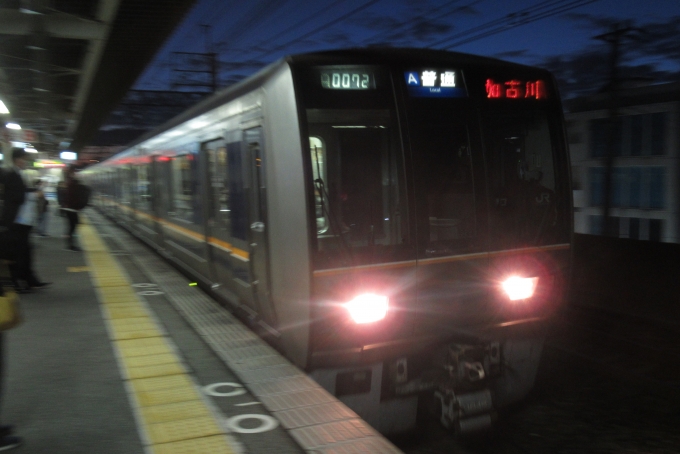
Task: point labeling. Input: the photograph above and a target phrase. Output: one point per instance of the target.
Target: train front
(440, 203)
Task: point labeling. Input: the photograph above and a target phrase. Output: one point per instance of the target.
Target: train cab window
(358, 185)
(524, 205)
(318, 156)
(182, 194)
(449, 188)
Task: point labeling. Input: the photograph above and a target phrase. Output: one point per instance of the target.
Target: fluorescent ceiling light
(30, 150)
(3, 108)
(12, 126)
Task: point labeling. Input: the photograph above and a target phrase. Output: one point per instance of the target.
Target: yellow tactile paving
(166, 382)
(213, 445)
(155, 370)
(99, 282)
(132, 323)
(167, 396)
(106, 299)
(125, 312)
(125, 305)
(136, 334)
(172, 412)
(165, 432)
(143, 351)
(77, 269)
(118, 292)
(150, 360)
(142, 343)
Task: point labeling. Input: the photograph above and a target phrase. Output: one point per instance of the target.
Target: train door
(158, 197)
(157, 190)
(218, 210)
(259, 255)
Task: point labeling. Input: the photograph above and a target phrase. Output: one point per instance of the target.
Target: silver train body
(367, 212)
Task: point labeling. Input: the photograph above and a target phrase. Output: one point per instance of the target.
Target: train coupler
(466, 413)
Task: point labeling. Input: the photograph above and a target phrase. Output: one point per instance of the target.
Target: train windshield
(525, 208)
(358, 186)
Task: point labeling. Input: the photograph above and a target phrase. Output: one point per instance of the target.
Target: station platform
(122, 354)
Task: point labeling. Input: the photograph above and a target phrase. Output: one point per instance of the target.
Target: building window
(635, 186)
(632, 187)
(596, 178)
(657, 187)
(596, 224)
(655, 228)
(634, 228)
(599, 137)
(658, 134)
(644, 135)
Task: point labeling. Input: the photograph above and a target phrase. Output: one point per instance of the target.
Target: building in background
(645, 196)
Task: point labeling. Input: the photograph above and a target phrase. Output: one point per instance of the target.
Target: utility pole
(210, 52)
(614, 38)
(207, 62)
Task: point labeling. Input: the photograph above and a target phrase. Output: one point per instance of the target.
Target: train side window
(237, 190)
(318, 155)
(181, 201)
(143, 190)
(219, 171)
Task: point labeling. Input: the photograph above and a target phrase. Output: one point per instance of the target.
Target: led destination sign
(342, 79)
(516, 89)
(433, 83)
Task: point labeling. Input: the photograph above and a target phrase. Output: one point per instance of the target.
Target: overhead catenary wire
(498, 21)
(440, 14)
(319, 28)
(260, 12)
(526, 19)
(298, 24)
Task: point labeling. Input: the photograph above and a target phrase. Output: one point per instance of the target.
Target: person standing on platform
(42, 206)
(69, 206)
(13, 193)
(19, 218)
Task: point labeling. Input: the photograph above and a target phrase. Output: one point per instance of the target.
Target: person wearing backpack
(72, 203)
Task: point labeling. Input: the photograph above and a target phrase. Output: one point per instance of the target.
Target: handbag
(9, 310)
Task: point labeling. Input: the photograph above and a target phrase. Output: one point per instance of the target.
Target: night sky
(557, 34)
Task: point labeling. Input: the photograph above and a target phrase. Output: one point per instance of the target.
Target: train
(397, 222)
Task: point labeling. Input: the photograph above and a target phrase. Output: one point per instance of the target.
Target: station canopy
(65, 64)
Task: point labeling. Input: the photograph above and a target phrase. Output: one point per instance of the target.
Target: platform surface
(121, 354)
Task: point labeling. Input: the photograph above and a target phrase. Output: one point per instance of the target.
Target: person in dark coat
(69, 203)
(18, 197)
(14, 188)
(13, 196)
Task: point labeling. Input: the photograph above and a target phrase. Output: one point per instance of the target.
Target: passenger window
(219, 171)
(182, 202)
(143, 189)
(238, 203)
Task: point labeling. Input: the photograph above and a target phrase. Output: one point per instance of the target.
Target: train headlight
(520, 288)
(368, 308)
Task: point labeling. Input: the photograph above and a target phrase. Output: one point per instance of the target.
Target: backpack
(82, 197)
